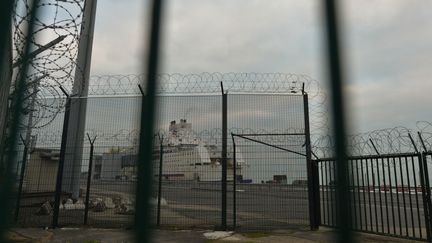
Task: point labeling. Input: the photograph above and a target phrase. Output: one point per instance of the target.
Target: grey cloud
(388, 50)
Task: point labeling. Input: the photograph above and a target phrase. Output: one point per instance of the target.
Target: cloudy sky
(387, 45)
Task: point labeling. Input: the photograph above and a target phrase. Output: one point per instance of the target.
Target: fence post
(312, 172)
(224, 158)
(413, 143)
(15, 109)
(424, 180)
(234, 183)
(61, 160)
(21, 181)
(336, 81)
(160, 180)
(374, 147)
(428, 212)
(89, 177)
(145, 174)
(422, 142)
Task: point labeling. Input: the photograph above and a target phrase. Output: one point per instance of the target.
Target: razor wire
(205, 83)
(381, 141)
(124, 137)
(119, 86)
(210, 83)
(52, 58)
(387, 141)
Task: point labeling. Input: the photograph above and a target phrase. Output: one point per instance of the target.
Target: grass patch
(91, 241)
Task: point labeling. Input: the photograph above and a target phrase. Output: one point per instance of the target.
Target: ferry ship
(187, 157)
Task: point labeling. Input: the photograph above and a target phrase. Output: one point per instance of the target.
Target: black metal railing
(388, 194)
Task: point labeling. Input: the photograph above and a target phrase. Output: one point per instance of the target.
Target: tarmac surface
(91, 235)
(260, 208)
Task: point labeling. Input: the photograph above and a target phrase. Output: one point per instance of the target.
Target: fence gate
(269, 181)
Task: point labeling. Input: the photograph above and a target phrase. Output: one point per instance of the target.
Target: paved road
(272, 206)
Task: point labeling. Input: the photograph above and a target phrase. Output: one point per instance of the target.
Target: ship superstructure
(187, 157)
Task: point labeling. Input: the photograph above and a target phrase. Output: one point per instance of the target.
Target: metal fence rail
(388, 194)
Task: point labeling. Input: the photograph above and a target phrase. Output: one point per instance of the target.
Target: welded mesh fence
(190, 132)
(271, 181)
(36, 185)
(111, 196)
(191, 195)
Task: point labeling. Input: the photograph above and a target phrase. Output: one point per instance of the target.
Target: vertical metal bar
(26, 143)
(159, 183)
(336, 207)
(357, 186)
(428, 189)
(21, 181)
(374, 193)
(234, 183)
(369, 194)
(350, 201)
(332, 193)
(416, 194)
(397, 196)
(353, 195)
(391, 196)
(6, 69)
(9, 157)
(336, 77)
(317, 194)
(321, 187)
(60, 168)
(313, 185)
(224, 158)
(144, 184)
(410, 198)
(90, 168)
(385, 195)
(364, 195)
(327, 192)
(424, 195)
(380, 197)
(427, 196)
(403, 196)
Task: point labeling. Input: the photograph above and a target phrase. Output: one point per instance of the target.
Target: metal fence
(270, 144)
(389, 194)
(191, 185)
(278, 196)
